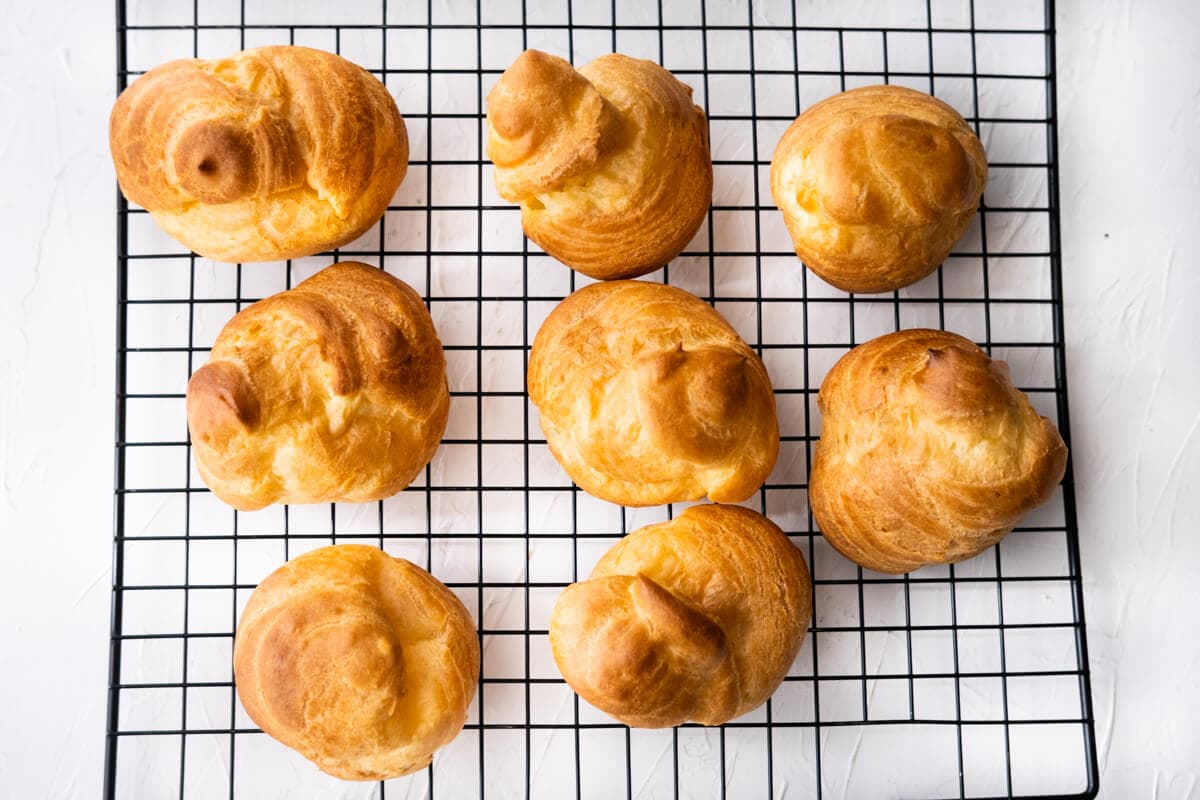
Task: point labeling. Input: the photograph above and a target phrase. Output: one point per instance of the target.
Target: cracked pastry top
(610, 163)
(876, 185)
(273, 153)
(648, 396)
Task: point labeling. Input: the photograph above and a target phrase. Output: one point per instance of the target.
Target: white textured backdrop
(1129, 104)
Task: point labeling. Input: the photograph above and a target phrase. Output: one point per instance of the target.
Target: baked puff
(334, 390)
(363, 663)
(876, 185)
(272, 153)
(698, 619)
(609, 163)
(647, 396)
(928, 453)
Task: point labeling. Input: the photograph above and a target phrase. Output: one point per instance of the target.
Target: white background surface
(1129, 111)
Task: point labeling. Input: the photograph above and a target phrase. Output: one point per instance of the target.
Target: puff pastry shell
(610, 163)
(648, 396)
(363, 663)
(332, 391)
(876, 185)
(272, 153)
(694, 619)
(928, 454)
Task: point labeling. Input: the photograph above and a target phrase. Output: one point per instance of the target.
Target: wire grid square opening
(968, 680)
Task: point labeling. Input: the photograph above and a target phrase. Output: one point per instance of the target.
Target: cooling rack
(962, 681)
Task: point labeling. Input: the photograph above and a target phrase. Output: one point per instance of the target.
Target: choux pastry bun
(610, 163)
(332, 391)
(273, 153)
(694, 619)
(928, 454)
(647, 396)
(876, 185)
(363, 663)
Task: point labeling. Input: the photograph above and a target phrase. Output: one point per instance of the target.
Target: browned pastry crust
(610, 163)
(363, 663)
(648, 396)
(928, 453)
(272, 153)
(333, 390)
(876, 185)
(694, 619)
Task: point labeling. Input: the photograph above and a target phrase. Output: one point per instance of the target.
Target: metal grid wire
(961, 681)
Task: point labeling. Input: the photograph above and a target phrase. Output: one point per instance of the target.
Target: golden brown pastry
(332, 391)
(272, 153)
(876, 185)
(648, 396)
(361, 662)
(928, 453)
(610, 163)
(694, 619)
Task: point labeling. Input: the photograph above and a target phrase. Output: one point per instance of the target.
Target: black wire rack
(963, 681)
